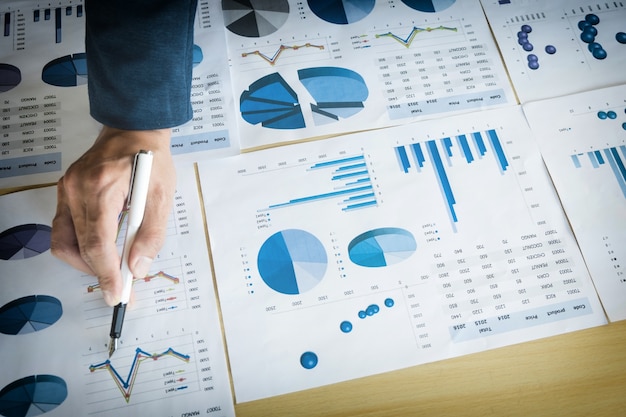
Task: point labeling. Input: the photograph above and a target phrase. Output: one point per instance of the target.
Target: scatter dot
(345, 326)
(308, 360)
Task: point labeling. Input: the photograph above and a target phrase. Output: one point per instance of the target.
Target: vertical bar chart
(440, 153)
(611, 159)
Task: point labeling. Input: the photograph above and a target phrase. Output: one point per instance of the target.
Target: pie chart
(29, 314)
(32, 396)
(254, 18)
(24, 241)
(339, 93)
(341, 12)
(10, 77)
(381, 247)
(429, 6)
(292, 261)
(67, 71)
(271, 102)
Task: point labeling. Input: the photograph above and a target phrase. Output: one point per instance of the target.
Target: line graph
(271, 59)
(147, 278)
(126, 385)
(416, 30)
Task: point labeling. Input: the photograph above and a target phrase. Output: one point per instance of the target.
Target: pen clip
(132, 181)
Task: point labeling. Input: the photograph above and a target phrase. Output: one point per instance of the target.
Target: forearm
(139, 57)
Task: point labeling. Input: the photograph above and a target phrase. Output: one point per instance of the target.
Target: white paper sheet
(362, 254)
(54, 325)
(547, 45)
(45, 111)
(583, 141)
(308, 69)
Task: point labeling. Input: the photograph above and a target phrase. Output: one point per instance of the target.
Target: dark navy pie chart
(29, 314)
(24, 241)
(10, 77)
(32, 396)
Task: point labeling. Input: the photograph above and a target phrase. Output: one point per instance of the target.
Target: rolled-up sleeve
(139, 62)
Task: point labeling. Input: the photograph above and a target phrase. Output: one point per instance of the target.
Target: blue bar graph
(59, 13)
(403, 158)
(348, 180)
(611, 158)
(467, 146)
(418, 155)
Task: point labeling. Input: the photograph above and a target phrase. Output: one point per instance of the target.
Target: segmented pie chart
(24, 241)
(32, 396)
(429, 6)
(381, 247)
(339, 93)
(341, 12)
(292, 261)
(254, 18)
(29, 314)
(10, 77)
(66, 71)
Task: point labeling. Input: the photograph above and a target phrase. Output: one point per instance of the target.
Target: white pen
(135, 207)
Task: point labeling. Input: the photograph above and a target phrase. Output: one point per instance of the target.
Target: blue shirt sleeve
(139, 62)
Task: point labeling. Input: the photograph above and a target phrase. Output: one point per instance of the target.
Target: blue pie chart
(429, 6)
(29, 314)
(341, 12)
(32, 396)
(338, 92)
(381, 247)
(292, 261)
(66, 71)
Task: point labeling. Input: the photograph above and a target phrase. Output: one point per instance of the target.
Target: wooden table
(576, 374)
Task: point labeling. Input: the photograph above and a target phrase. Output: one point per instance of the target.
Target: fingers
(151, 234)
(91, 196)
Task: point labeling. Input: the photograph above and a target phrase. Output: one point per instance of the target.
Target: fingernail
(109, 298)
(142, 266)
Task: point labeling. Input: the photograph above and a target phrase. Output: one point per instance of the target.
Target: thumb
(145, 248)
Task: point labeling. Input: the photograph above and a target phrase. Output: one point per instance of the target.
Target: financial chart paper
(304, 69)
(54, 325)
(583, 141)
(559, 47)
(362, 254)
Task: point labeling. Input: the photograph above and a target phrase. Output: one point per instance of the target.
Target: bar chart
(446, 146)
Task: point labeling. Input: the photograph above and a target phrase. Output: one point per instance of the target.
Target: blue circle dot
(533, 65)
(594, 45)
(346, 326)
(532, 57)
(308, 360)
(550, 49)
(624, 125)
(611, 114)
(362, 314)
(587, 37)
(592, 30)
(522, 35)
(583, 24)
(389, 302)
(620, 37)
(527, 28)
(527, 47)
(372, 309)
(599, 53)
(592, 18)
(602, 115)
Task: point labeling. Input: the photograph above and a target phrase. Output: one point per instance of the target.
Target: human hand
(91, 195)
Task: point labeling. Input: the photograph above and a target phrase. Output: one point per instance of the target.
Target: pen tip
(112, 346)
